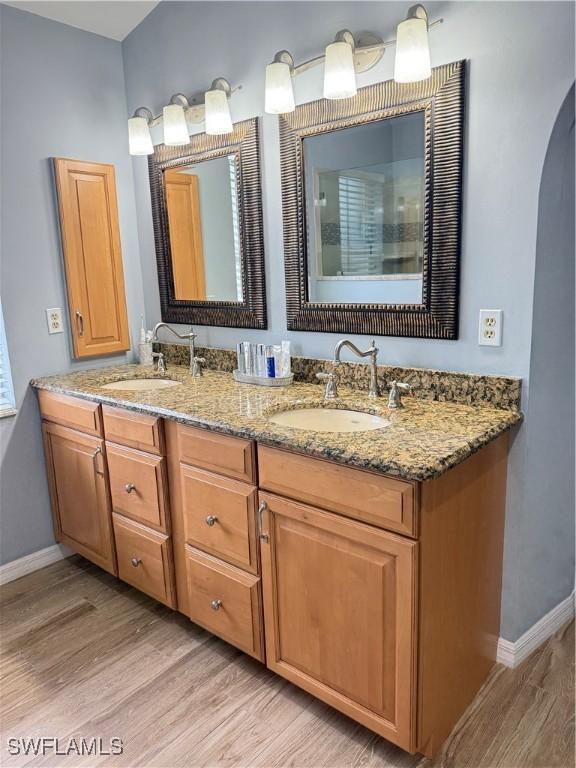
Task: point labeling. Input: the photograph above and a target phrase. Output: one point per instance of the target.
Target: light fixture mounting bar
(366, 45)
(193, 106)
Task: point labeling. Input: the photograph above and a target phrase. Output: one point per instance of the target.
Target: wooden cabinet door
(92, 257)
(340, 613)
(79, 493)
(185, 227)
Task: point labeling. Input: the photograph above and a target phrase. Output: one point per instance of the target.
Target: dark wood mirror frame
(441, 98)
(243, 143)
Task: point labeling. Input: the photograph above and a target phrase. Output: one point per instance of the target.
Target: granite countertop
(423, 439)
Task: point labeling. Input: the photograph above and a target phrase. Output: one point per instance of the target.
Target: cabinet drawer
(145, 559)
(229, 456)
(138, 486)
(135, 430)
(220, 516)
(71, 412)
(225, 600)
(367, 496)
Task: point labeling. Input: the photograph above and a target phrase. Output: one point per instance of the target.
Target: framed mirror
(371, 192)
(207, 215)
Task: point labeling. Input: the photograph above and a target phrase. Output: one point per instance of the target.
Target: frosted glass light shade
(139, 139)
(339, 72)
(412, 62)
(175, 127)
(218, 118)
(279, 93)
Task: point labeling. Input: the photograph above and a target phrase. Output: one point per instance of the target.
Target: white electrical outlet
(490, 328)
(54, 318)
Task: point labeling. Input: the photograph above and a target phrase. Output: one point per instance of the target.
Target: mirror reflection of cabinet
(207, 212)
(185, 226)
(203, 227)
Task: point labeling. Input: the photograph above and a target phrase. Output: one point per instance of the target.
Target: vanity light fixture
(139, 138)
(339, 70)
(177, 116)
(218, 117)
(176, 132)
(279, 93)
(412, 62)
(347, 56)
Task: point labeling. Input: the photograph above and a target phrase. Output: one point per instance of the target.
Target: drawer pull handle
(135, 561)
(261, 509)
(129, 487)
(216, 605)
(211, 519)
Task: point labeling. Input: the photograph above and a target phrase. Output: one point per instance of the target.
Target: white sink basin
(329, 420)
(141, 385)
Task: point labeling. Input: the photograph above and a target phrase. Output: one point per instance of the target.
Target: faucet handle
(197, 363)
(331, 378)
(395, 396)
(161, 365)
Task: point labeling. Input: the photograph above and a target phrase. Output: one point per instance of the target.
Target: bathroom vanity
(364, 567)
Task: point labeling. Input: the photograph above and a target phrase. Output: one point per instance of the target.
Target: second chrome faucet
(331, 378)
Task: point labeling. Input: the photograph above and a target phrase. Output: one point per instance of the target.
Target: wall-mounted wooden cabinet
(92, 257)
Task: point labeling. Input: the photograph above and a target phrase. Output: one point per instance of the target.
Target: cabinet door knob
(211, 519)
(216, 605)
(135, 561)
(129, 487)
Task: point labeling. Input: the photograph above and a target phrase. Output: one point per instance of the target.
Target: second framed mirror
(371, 197)
(207, 212)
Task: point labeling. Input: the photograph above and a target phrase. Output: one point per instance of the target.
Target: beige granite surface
(427, 383)
(423, 440)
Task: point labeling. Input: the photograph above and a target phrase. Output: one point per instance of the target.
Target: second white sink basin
(140, 385)
(329, 420)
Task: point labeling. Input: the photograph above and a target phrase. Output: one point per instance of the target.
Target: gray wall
(62, 94)
(542, 571)
(521, 66)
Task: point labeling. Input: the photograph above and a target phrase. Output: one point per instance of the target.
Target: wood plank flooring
(85, 656)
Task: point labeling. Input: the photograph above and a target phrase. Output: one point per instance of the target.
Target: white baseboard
(512, 654)
(33, 562)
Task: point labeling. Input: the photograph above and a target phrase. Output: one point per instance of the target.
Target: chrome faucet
(372, 353)
(195, 362)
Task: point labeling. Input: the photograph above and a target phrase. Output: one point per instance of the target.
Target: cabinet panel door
(340, 612)
(92, 256)
(79, 493)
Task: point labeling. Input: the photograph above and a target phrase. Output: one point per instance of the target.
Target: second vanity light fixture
(346, 56)
(214, 111)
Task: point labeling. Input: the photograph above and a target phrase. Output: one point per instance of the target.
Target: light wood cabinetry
(185, 227)
(138, 486)
(340, 613)
(230, 456)
(135, 430)
(79, 493)
(71, 412)
(220, 516)
(379, 596)
(92, 257)
(225, 600)
(382, 501)
(145, 559)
